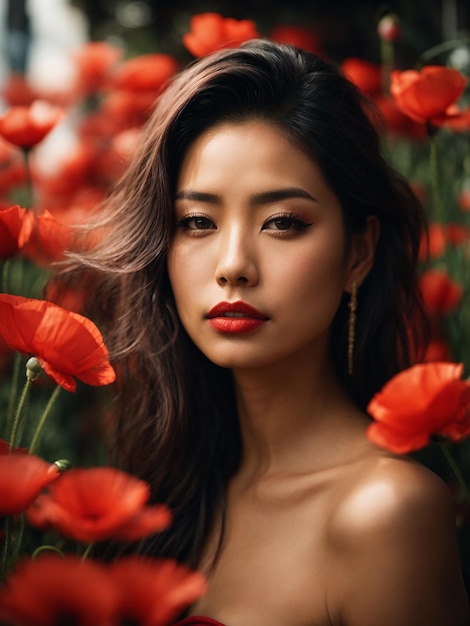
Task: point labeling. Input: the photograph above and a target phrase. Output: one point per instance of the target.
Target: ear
(362, 253)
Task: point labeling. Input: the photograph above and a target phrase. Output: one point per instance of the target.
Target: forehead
(253, 152)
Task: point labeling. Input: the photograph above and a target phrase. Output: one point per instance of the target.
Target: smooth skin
(323, 528)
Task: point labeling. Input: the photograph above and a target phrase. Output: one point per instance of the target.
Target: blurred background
(35, 33)
(106, 102)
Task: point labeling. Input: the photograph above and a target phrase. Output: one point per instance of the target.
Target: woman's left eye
(285, 223)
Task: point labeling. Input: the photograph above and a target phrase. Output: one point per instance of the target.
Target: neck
(288, 412)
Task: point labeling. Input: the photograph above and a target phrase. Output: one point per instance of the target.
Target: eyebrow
(265, 197)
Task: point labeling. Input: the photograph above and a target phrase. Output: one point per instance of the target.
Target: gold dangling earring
(352, 326)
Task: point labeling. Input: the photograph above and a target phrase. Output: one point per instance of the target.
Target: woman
(258, 287)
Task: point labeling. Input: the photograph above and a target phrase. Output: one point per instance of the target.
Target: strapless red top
(198, 620)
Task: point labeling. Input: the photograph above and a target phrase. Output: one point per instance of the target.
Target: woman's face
(258, 263)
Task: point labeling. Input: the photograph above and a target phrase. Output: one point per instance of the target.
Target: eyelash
(296, 223)
(183, 222)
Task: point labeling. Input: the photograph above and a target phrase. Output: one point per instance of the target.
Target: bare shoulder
(387, 492)
(392, 539)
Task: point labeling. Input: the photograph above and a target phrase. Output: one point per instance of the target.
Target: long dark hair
(175, 411)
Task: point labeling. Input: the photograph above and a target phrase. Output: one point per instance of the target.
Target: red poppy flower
(68, 296)
(364, 74)
(99, 503)
(441, 294)
(147, 72)
(298, 36)
(464, 199)
(126, 109)
(424, 400)
(48, 241)
(437, 350)
(5, 448)
(153, 592)
(396, 121)
(66, 344)
(26, 126)
(457, 234)
(94, 62)
(55, 590)
(426, 96)
(7, 154)
(18, 92)
(11, 177)
(22, 478)
(434, 244)
(16, 225)
(456, 119)
(211, 31)
(72, 173)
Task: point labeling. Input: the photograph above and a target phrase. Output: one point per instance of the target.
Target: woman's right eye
(196, 222)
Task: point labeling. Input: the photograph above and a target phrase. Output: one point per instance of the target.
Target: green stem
(435, 179)
(28, 179)
(45, 548)
(387, 55)
(446, 46)
(14, 385)
(6, 267)
(19, 412)
(43, 418)
(19, 539)
(6, 547)
(455, 468)
(87, 551)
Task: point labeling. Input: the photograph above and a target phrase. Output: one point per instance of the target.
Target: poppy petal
(67, 344)
(422, 401)
(22, 478)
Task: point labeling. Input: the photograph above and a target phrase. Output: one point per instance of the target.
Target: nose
(237, 264)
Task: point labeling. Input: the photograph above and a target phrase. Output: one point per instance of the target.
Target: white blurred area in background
(57, 29)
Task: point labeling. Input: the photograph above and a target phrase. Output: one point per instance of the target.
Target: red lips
(235, 317)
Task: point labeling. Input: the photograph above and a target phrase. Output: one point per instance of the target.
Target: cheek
(316, 267)
(185, 268)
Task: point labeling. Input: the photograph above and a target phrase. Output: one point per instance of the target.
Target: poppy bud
(63, 465)
(33, 368)
(389, 28)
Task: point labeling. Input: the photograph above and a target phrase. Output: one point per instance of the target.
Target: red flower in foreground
(134, 590)
(99, 503)
(22, 478)
(48, 241)
(16, 225)
(424, 400)
(66, 344)
(153, 592)
(55, 590)
(426, 96)
(5, 448)
(441, 294)
(211, 31)
(26, 126)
